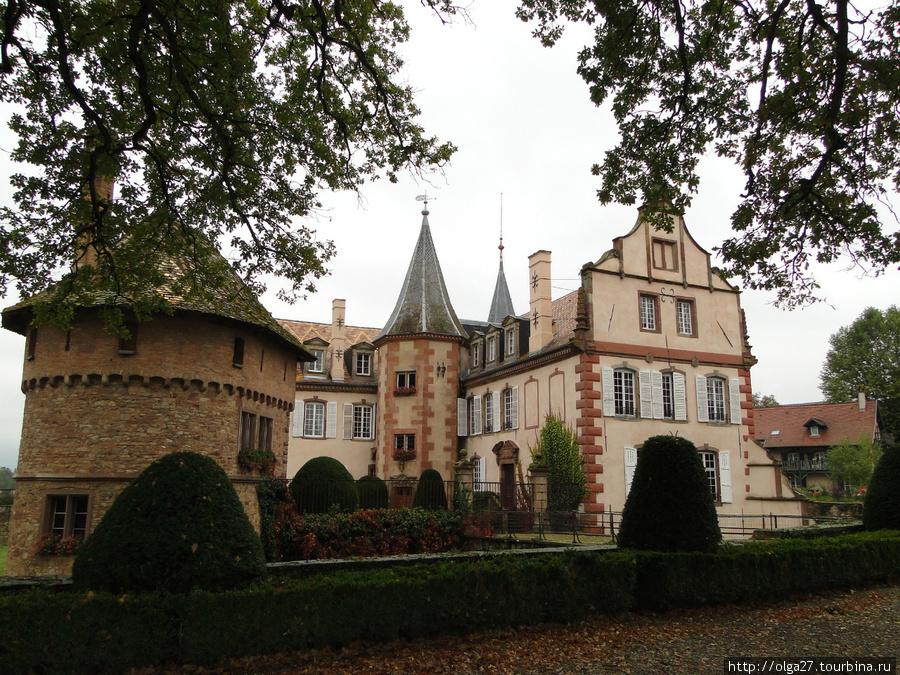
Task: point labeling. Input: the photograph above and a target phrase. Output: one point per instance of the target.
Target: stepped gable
(424, 304)
(231, 300)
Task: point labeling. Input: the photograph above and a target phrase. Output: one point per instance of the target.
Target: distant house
(800, 435)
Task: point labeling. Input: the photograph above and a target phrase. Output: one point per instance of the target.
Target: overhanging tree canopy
(802, 94)
(219, 122)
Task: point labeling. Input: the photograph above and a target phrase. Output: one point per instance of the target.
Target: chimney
(338, 342)
(85, 253)
(861, 397)
(540, 308)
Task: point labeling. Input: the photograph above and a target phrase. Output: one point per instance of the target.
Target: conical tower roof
(424, 305)
(501, 303)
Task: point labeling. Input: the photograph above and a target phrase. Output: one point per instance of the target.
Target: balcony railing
(804, 465)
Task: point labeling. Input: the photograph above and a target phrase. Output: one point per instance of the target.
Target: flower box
(404, 455)
(404, 391)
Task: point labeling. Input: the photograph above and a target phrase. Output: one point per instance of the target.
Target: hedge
(101, 632)
(77, 632)
(764, 570)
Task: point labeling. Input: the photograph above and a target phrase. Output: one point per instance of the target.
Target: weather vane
(424, 198)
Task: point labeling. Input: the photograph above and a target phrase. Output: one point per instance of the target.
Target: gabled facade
(653, 342)
(799, 436)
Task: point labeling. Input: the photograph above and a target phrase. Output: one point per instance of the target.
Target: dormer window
(814, 430)
(363, 364)
(491, 349)
(317, 366)
(510, 341)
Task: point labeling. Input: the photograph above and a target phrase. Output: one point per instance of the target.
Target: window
(814, 430)
(685, 316)
(668, 396)
(665, 255)
(256, 431)
(510, 341)
(623, 392)
(715, 399)
(314, 419)
(712, 474)
(406, 383)
(67, 515)
(363, 364)
(317, 366)
(489, 413)
(648, 312)
(476, 354)
(237, 357)
(491, 349)
(478, 473)
(32, 343)
(405, 442)
(128, 345)
(358, 421)
(511, 408)
(475, 426)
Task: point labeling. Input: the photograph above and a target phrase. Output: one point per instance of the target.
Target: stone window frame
(70, 526)
(256, 431)
(648, 308)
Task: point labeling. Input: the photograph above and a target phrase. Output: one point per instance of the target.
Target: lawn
(2, 559)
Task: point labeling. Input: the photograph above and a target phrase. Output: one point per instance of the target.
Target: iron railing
(520, 509)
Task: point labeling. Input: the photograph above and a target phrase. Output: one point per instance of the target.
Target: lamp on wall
(441, 369)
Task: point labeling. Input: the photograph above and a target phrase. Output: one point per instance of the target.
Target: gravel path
(862, 623)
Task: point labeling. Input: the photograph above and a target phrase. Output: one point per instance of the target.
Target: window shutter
(476, 406)
(656, 385)
(630, 465)
(462, 416)
(702, 400)
(299, 409)
(348, 420)
(725, 476)
(514, 409)
(734, 399)
(494, 402)
(331, 419)
(372, 425)
(680, 396)
(646, 393)
(609, 399)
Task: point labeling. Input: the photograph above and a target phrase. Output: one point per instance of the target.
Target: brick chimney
(85, 253)
(861, 397)
(338, 341)
(540, 307)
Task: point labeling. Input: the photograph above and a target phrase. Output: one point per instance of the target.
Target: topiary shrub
(323, 485)
(430, 493)
(670, 506)
(373, 493)
(881, 508)
(178, 526)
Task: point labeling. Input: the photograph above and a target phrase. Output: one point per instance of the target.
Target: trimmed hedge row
(764, 570)
(76, 632)
(86, 632)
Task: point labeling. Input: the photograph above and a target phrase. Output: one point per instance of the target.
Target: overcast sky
(526, 130)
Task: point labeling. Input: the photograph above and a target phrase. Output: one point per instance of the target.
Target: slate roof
(307, 330)
(501, 303)
(845, 422)
(424, 304)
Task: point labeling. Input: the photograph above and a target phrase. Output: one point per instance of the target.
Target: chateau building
(652, 342)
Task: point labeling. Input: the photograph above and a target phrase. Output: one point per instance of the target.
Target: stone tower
(418, 387)
(213, 378)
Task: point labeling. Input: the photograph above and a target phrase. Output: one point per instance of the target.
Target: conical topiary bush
(881, 509)
(178, 526)
(670, 506)
(430, 492)
(322, 485)
(373, 493)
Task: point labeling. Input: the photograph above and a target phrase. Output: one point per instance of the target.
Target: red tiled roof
(846, 422)
(353, 335)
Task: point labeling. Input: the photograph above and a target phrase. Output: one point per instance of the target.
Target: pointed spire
(501, 303)
(424, 304)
